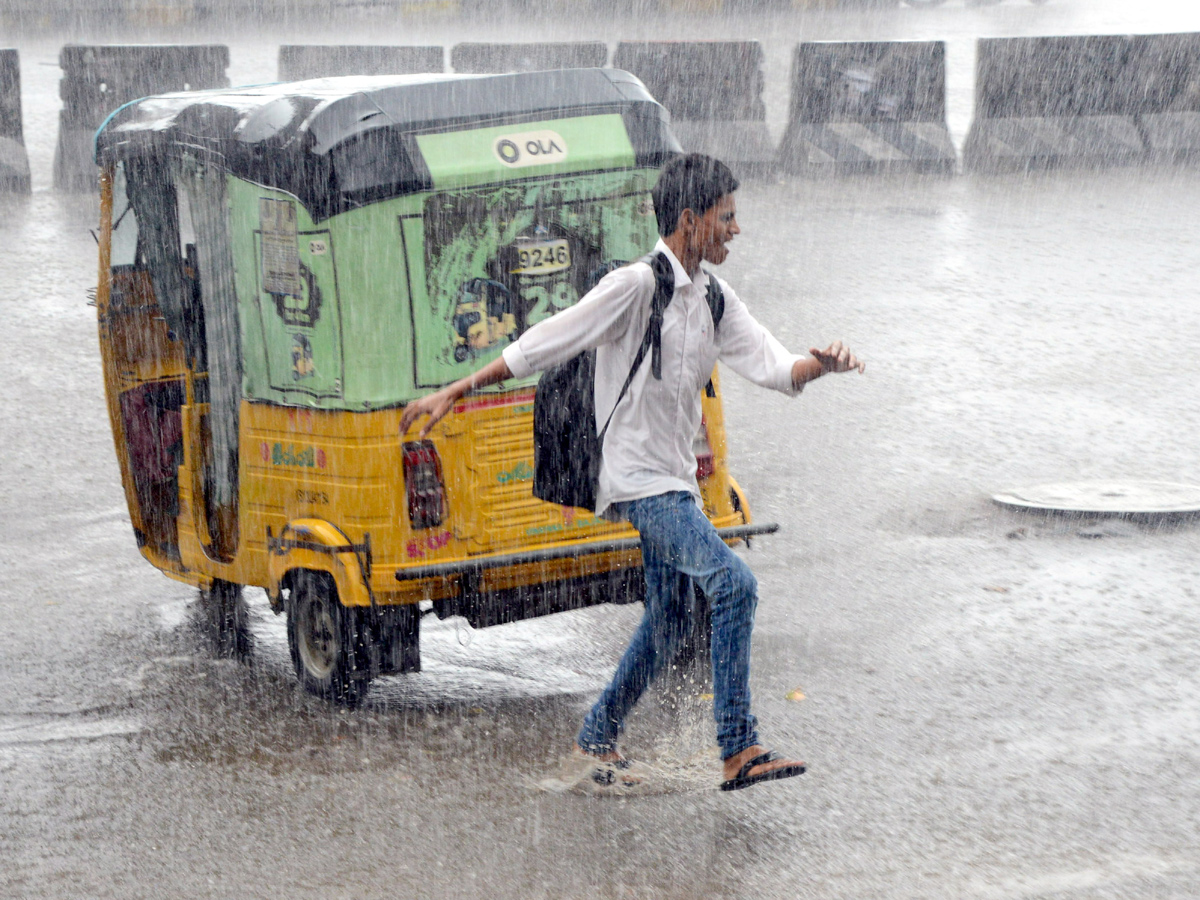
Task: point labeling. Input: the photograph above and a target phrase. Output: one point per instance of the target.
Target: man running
(648, 470)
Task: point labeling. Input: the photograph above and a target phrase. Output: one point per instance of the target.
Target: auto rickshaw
(284, 267)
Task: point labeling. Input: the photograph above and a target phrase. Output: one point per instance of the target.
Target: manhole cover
(1106, 497)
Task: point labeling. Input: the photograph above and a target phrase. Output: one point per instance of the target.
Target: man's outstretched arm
(834, 358)
(437, 404)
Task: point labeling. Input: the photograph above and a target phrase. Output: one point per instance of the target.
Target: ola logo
(531, 148)
(507, 151)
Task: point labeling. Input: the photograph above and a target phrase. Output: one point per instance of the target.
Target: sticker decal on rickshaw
(304, 307)
(501, 259)
(305, 457)
(416, 549)
(299, 419)
(536, 257)
(530, 148)
(483, 317)
(569, 523)
(520, 403)
(302, 358)
(290, 283)
(522, 471)
(280, 252)
(498, 259)
(287, 281)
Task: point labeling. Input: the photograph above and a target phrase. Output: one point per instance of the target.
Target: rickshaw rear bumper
(476, 566)
(502, 588)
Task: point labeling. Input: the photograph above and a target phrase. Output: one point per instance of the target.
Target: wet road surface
(994, 704)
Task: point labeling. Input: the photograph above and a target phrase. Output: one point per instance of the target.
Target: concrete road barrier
(492, 59)
(300, 61)
(713, 90)
(868, 107)
(1053, 101)
(1162, 82)
(14, 161)
(97, 79)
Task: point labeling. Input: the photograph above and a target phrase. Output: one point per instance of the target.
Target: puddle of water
(577, 774)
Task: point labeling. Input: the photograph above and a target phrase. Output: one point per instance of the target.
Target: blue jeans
(679, 545)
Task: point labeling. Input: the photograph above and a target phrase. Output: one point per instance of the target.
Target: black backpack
(567, 446)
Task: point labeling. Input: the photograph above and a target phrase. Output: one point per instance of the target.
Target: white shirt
(648, 447)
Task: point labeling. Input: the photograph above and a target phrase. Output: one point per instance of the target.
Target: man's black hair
(692, 181)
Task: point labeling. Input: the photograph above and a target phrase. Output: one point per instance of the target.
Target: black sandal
(744, 780)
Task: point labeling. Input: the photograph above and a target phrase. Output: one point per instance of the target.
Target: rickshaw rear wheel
(323, 636)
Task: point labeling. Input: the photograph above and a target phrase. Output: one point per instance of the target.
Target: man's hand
(437, 404)
(834, 358)
(837, 358)
(434, 405)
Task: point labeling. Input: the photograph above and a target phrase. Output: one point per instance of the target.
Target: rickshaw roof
(287, 134)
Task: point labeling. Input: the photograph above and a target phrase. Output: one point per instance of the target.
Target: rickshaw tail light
(423, 484)
(703, 451)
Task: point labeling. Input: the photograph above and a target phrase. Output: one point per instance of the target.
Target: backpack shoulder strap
(664, 290)
(716, 307)
(716, 299)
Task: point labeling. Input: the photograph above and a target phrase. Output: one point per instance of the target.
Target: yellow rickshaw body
(262, 332)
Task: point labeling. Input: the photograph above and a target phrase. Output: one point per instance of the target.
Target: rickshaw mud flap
(284, 544)
(546, 554)
(281, 545)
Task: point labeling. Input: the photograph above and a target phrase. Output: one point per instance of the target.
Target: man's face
(715, 229)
